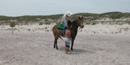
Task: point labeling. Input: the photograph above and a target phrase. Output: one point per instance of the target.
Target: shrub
(47, 22)
(41, 23)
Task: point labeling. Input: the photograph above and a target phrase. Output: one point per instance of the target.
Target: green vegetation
(89, 18)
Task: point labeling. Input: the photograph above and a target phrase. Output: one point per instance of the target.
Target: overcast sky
(49, 7)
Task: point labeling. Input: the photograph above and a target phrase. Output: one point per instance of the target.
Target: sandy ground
(90, 48)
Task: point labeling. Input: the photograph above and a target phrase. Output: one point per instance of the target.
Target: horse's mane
(74, 22)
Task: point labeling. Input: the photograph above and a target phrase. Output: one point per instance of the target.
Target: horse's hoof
(57, 48)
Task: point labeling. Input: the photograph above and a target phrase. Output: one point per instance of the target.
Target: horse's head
(80, 22)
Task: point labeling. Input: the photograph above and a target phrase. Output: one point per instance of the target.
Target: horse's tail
(61, 38)
(54, 29)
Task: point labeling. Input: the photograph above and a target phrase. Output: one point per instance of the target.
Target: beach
(94, 45)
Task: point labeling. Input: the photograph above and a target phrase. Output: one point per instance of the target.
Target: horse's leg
(55, 43)
(72, 43)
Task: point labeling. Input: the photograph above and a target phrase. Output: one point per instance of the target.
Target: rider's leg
(63, 28)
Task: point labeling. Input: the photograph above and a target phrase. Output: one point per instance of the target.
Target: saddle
(60, 26)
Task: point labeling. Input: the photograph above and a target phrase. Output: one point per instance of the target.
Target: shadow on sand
(80, 51)
(77, 51)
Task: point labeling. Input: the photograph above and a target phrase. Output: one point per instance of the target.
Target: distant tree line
(54, 18)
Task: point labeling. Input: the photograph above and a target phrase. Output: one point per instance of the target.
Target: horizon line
(58, 14)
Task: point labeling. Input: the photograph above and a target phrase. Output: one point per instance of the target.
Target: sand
(35, 47)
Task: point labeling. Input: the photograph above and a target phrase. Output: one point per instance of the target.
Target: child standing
(67, 39)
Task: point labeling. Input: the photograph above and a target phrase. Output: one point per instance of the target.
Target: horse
(58, 32)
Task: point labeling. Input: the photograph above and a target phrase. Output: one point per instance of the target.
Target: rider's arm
(65, 20)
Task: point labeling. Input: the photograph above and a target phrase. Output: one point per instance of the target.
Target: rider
(65, 20)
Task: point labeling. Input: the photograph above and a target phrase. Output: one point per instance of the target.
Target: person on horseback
(65, 20)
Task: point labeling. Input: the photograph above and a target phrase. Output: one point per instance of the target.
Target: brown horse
(58, 32)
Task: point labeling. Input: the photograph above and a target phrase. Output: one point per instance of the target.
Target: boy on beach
(67, 39)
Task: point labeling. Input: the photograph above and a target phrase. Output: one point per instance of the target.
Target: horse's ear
(80, 17)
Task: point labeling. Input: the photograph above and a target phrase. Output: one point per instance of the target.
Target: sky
(50, 7)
